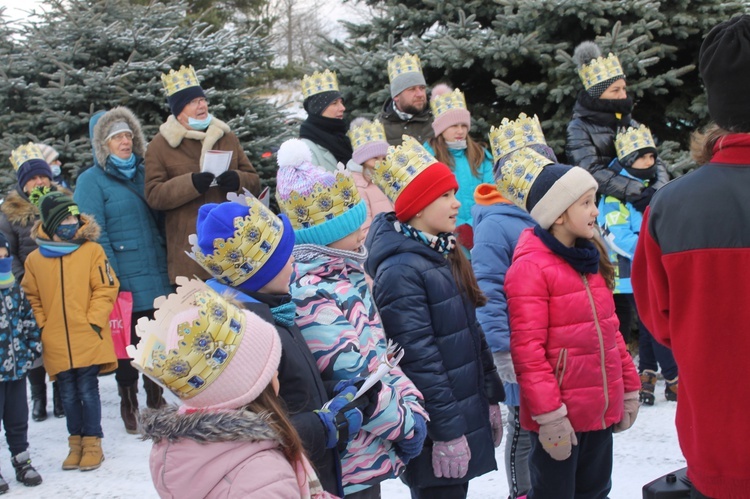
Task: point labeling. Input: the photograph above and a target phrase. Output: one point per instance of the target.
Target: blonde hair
(474, 153)
(702, 143)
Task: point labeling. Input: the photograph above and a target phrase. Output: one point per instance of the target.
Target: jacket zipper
(601, 349)
(65, 315)
(108, 270)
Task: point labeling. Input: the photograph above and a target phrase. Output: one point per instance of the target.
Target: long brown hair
(464, 276)
(606, 269)
(702, 142)
(474, 153)
(269, 405)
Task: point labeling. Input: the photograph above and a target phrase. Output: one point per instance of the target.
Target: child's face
(578, 221)
(644, 162)
(352, 242)
(370, 163)
(279, 285)
(4, 252)
(455, 132)
(439, 216)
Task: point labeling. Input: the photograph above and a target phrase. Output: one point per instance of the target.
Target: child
(452, 145)
(337, 316)
(426, 294)
(72, 290)
(577, 380)
(621, 223)
(20, 345)
(230, 438)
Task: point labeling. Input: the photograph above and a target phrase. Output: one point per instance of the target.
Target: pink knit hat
(449, 108)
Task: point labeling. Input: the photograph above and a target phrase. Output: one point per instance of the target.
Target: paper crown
(599, 70)
(366, 133)
(174, 81)
(633, 139)
(204, 346)
(518, 174)
(401, 165)
(319, 82)
(22, 154)
(402, 64)
(448, 101)
(511, 136)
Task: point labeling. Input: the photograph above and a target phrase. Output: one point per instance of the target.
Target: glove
(496, 422)
(451, 459)
(629, 413)
(367, 403)
(409, 448)
(465, 236)
(504, 365)
(641, 202)
(229, 181)
(342, 420)
(202, 181)
(558, 438)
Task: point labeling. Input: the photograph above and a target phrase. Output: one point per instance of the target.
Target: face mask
(56, 170)
(200, 124)
(6, 272)
(456, 144)
(66, 232)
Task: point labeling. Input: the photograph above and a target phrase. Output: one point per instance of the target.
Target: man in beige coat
(175, 181)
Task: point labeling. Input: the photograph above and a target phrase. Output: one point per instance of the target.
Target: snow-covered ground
(643, 453)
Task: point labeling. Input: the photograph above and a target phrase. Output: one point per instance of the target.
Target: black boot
(154, 399)
(3, 485)
(129, 407)
(25, 472)
(39, 402)
(57, 406)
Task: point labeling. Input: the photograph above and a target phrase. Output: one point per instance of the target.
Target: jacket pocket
(97, 330)
(127, 245)
(561, 365)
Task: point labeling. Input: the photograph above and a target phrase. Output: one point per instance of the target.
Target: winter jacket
(497, 225)
(375, 199)
(130, 231)
(338, 319)
(467, 182)
(689, 284)
(321, 156)
(419, 126)
(447, 356)
(173, 155)
(228, 454)
(70, 295)
(564, 340)
(20, 339)
(17, 216)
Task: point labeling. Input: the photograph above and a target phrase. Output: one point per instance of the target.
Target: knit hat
(242, 244)
(541, 187)
(207, 351)
(449, 108)
(404, 71)
(724, 70)
(597, 73)
(118, 127)
(412, 178)
(49, 154)
(319, 91)
(53, 209)
(182, 87)
(368, 140)
(632, 143)
(28, 161)
(511, 136)
(321, 206)
(4, 242)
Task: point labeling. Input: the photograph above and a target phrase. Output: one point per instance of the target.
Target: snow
(645, 452)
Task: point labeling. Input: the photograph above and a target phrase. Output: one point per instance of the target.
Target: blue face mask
(200, 124)
(6, 272)
(66, 232)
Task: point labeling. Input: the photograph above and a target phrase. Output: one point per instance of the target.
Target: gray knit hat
(404, 71)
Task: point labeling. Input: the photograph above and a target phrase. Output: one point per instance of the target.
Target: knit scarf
(125, 166)
(56, 249)
(6, 272)
(308, 252)
(583, 257)
(284, 314)
(443, 243)
(404, 116)
(329, 133)
(607, 109)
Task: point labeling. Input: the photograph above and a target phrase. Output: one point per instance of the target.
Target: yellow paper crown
(174, 81)
(518, 174)
(22, 154)
(238, 258)
(191, 360)
(447, 102)
(366, 133)
(319, 82)
(599, 70)
(402, 64)
(401, 165)
(633, 139)
(511, 136)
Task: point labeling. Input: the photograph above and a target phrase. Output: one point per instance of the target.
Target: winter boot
(39, 402)
(92, 453)
(74, 454)
(57, 406)
(25, 472)
(3, 485)
(129, 407)
(154, 399)
(671, 391)
(648, 383)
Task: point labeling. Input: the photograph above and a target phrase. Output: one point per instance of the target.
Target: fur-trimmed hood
(219, 426)
(174, 133)
(20, 211)
(103, 125)
(89, 229)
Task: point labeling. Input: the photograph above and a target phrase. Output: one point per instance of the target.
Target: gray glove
(504, 365)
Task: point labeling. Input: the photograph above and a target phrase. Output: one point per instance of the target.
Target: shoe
(57, 406)
(25, 472)
(154, 399)
(648, 383)
(671, 390)
(74, 454)
(129, 407)
(3, 485)
(39, 402)
(92, 453)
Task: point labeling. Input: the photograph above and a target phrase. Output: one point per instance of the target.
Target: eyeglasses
(122, 136)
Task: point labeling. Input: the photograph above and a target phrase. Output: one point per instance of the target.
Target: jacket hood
(102, 123)
(20, 211)
(390, 242)
(501, 208)
(89, 229)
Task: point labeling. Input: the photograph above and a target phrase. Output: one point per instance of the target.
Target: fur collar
(174, 133)
(119, 113)
(20, 211)
(89, 229)
(220, 426)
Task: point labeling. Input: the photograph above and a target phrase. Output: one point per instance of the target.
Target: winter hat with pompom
(449, 108)
(597, 73)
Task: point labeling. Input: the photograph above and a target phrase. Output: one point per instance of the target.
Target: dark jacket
(419, 127)
(447, 356)
(20, 338)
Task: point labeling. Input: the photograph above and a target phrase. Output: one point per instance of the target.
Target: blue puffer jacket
(20, 338)
(130, 231)
(447, 356)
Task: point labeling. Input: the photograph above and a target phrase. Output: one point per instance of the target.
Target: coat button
(122, 247)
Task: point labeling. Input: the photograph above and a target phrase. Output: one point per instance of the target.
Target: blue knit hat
(32, 168)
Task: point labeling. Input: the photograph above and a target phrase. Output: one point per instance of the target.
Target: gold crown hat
(181, 86)
(600, 70)
(24, 153)
(206, 350)
(368, 140)
(448, 108)
(318, 82)
(633, 139)
(404, 71)
(519, 173)
(513, 135)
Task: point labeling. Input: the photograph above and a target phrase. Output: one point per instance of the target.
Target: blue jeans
(79, 390)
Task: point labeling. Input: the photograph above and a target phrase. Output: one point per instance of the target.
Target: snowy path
(645, 452)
